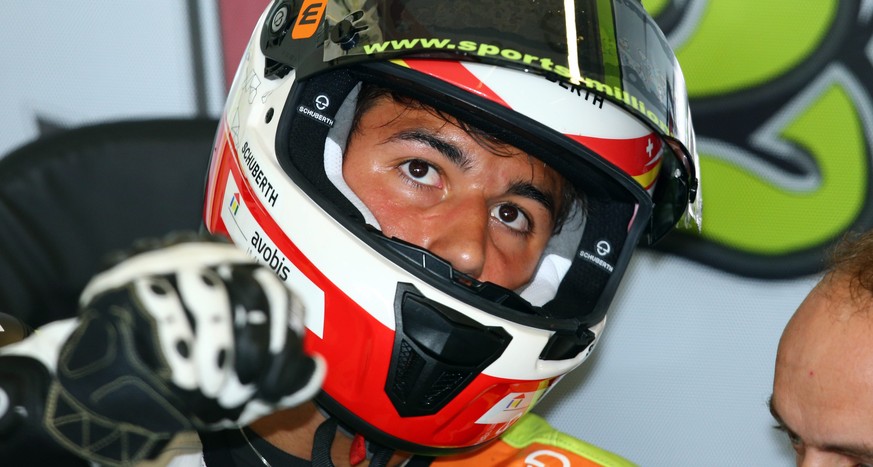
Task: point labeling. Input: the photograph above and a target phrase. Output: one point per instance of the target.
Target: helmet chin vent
(437, 352)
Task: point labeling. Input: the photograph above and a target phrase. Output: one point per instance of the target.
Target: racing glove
(193, 335)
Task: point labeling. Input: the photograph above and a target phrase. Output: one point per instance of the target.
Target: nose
(459, 234)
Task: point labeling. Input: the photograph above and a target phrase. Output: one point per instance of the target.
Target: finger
(158, 299)
(278, 303)
(252, 322)
(235, 394)
(205, 297)
(290, 370)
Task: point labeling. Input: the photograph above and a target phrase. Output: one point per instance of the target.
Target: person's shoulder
(533, 442)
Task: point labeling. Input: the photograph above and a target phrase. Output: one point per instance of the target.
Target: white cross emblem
(649, 148)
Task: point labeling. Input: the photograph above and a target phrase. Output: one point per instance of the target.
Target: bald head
(823, 385)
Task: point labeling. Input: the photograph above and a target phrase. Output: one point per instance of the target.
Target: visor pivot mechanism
(345, 33)
(276, 27)
(279, 20)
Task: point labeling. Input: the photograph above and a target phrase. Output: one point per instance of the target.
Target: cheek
(369, 182)
(403, 221)
(511, 266)
(388, 212)
(395, 215)
(528, 266)
(396, 206)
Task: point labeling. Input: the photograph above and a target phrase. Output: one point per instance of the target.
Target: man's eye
(420, 172)
(512, 216)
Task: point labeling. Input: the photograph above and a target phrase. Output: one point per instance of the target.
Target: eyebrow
(861, 451)
(447, 149)
(528, 190)
(458, 158)
(780, 424)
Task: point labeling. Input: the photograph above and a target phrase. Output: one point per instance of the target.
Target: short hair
(852, 258)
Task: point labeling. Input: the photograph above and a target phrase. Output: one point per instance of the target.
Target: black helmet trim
(620, 206)
(437, 352)
(607, 188)
(350, 422)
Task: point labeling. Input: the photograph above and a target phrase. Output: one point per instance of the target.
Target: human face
(487, 210)
(823, 386)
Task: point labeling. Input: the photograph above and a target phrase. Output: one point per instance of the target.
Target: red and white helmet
(421, 357)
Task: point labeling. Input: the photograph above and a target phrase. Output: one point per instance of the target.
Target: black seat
(69, 199)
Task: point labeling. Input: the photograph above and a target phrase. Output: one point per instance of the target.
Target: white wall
(81, 62)
(685, 369)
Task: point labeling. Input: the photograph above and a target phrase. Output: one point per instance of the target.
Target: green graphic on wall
(781, 98)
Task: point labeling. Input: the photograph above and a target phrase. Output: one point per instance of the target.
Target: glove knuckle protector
(190, 335)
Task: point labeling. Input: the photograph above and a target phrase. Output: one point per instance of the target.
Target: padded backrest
(70, 199)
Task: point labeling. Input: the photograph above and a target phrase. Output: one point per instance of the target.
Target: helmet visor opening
(599, 181)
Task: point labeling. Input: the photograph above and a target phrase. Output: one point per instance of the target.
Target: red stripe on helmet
(638, 157)
(457, 74)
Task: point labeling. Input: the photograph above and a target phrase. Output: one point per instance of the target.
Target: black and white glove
(194, 335)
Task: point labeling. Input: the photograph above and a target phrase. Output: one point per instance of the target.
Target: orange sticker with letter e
(308, 19)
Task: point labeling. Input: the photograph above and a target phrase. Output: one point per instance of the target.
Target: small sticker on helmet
(596, 260)
(512, 406)
(308, 19)
(315, 115)
(603, 248)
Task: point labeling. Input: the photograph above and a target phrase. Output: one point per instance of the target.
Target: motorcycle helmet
(421, 357)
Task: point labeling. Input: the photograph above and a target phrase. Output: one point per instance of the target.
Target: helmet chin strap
(361, 449)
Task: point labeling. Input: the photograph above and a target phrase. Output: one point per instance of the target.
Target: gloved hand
(193, 335)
